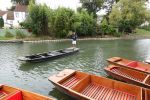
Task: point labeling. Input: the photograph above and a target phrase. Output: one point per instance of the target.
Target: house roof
(21, 8)
(10, 15)
(2, 13)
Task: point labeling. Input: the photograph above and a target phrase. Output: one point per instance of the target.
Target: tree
(84, 24)
(23, 2)
(1, 22)
(92, 6)
(63, 21)
(127, 15)
(38, 18)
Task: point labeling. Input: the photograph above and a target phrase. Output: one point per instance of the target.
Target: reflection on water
(91, 58)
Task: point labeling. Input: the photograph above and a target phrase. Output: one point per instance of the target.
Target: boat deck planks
(115, 70)
(82, 86)
(98, 92)
(136, 65)
(129, 75)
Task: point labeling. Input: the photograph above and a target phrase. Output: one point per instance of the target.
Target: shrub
(20, 34)
(8, 34)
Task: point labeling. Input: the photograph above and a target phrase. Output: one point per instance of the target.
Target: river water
(91, 58)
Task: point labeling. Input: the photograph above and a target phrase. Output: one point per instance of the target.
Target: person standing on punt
(74, 39)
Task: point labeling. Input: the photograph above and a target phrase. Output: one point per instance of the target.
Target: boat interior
(97, 88)
(131, 74)
(7, 93)
(133, 64)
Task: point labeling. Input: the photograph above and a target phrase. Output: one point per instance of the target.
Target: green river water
(91, 58)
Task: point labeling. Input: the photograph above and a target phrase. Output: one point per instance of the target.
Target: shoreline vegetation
(38, 40)
(21, 36)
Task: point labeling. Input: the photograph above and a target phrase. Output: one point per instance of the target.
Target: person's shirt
(74, 37)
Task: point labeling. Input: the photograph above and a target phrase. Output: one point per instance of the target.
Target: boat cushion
(132, 64)
(16, 96)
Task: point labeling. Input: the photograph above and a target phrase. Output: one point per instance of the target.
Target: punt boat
(84, 86)
(140, 66)
(49, 55)
(129, 75)
(12, 93)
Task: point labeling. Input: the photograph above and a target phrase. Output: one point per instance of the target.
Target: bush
(107, 29)
(20, 34)
(8, 34)
(1, 22)
(117, 34)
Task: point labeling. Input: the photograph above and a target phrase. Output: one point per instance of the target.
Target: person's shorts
(73, 42)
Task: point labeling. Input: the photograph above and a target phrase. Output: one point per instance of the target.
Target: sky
(73, 4)
(4, 4)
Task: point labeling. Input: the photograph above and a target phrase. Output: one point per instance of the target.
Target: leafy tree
(92, 6)
(38, 18)
(63, 21)
(84, 23)
(127, 15)
(1, 22)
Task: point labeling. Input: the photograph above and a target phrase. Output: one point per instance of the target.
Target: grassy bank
(30, 37)
(142, 32)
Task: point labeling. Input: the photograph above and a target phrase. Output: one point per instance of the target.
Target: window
(17, 15)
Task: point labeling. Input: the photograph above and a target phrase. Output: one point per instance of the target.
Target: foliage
(145, 28)
(107, 29)
(8, 34)
(23, 2)
(92, 6)
(63, 21)
(127, 15)
(20, 34)
(84, 23)
(1, 22)
(143, 32)
(38, 18)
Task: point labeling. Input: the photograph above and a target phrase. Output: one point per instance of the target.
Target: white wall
(18, 17)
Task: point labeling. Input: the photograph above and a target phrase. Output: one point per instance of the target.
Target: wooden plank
(62, 75)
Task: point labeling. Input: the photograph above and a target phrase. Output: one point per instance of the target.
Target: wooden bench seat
(71, 82)
(98, 92)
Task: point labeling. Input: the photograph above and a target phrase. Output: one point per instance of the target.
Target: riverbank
(133, 36)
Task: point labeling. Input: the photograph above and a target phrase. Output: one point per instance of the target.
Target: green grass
(142, 32)
(4, 38)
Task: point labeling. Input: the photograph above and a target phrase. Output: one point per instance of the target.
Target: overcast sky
(4, 4)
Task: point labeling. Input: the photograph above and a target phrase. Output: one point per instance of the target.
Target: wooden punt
(146, 94)
(49, 55)
(12, 93)
(84, 86)
(129, 75)
(140, 66)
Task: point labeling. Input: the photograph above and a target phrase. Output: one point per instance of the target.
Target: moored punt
(12, 93)
(49, 55)
(84, 86)
(130, 64)
(129, 75)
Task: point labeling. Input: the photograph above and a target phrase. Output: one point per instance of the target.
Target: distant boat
(12, 93)
(49, 55)
(129, 75)
(84, 86)
(140, 66)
